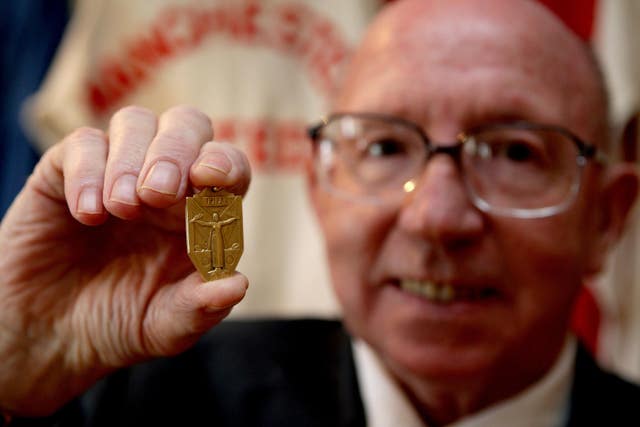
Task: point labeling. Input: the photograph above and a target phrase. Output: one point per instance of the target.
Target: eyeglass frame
(586, 152)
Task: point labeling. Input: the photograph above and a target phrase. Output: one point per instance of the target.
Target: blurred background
(263, 70)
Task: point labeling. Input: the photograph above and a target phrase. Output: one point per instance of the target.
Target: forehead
(472, 66)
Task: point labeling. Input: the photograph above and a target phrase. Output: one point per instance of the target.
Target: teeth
(428, 289)
(447, 294)
(442, 293)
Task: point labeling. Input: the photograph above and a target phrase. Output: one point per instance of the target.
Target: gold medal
(214, 232)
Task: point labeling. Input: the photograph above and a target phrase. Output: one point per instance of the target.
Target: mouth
(445, 293)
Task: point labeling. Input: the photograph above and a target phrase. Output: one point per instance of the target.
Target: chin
(431, 345)
(440, 362)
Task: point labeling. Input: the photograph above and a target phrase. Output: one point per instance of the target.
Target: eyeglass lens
(504, 167)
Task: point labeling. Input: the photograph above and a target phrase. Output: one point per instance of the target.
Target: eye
(518, 151)
(385, 147)
(516, 148)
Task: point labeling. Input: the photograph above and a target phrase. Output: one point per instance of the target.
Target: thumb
(179, 314)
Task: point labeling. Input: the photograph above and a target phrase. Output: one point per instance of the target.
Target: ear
(618, 194)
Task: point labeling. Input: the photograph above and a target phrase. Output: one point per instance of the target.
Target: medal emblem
(214, 232)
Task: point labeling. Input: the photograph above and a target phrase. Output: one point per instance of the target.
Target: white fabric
(261, 69)
(544, 404)
(618, 289)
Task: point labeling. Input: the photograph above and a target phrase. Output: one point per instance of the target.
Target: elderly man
(464, 192)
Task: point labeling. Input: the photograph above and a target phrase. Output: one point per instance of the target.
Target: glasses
(515, 169)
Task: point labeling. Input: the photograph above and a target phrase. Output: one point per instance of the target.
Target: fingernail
(124, 190)
(89, 201)
(218, 162)
(164, 178)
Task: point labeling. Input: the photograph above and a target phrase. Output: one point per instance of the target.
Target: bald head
(433, 43)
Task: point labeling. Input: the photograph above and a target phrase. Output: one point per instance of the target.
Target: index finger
(162, 181)
(221, 164)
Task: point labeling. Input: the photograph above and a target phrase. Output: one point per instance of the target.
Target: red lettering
(203, 24)
(292, 146)
(271, 146)
(242, 24)
(219, 19)
(225, 130)
(149, 49)
(290, 29)
(326, 57)
(97, 99)
(174, 23)
(251, 12)
(257, 143)
(110, 89)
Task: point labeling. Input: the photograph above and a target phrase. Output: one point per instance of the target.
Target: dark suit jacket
(284, 373)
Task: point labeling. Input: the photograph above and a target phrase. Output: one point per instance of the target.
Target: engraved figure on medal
(214, 232)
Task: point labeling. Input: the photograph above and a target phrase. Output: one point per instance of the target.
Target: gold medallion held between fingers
(214, 232)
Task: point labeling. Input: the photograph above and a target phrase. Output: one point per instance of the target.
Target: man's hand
(94, 273)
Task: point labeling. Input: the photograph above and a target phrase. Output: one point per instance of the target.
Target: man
(464, 194)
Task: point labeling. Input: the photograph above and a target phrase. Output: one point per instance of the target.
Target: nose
(439, 209)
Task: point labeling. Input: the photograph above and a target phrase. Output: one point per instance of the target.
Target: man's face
(514, 280)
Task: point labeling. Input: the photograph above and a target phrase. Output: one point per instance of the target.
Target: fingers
(80, 162)
(70, 173)
(164, 177)
(149, 158)
(145, 161)
(131, 131)
(180, 314)
(222, 165)
(151, 161)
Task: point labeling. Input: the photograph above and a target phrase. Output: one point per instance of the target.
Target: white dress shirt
(543, 404)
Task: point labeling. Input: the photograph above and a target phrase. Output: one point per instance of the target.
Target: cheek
(545, 262)
(354, 234)
(556, 247)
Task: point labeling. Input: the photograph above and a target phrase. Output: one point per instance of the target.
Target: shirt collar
(543, 404)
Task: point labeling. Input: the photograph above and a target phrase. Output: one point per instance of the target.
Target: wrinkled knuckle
(175, 146)
(135, 111)
(186, 111)
(212, 147)
(86, 134)
(222, 147)
(52, 152)
(193, 119)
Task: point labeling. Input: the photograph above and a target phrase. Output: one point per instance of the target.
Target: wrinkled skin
(450, 66)
(96, 282)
